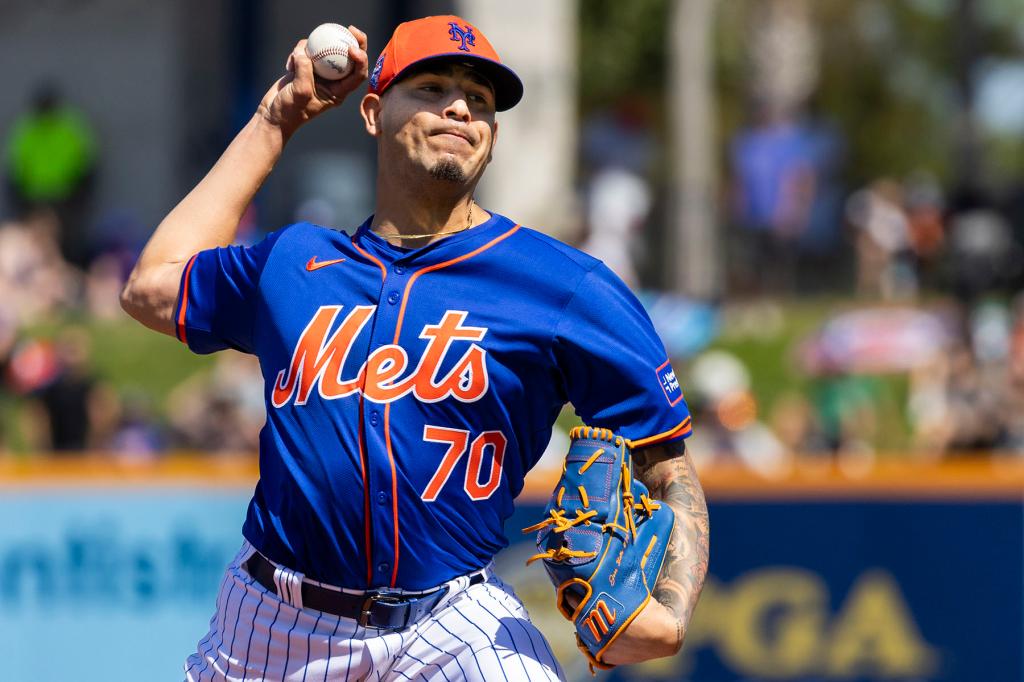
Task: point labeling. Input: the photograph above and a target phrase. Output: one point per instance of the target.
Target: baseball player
(413, 372)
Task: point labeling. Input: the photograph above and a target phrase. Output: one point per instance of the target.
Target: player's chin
(451, 168)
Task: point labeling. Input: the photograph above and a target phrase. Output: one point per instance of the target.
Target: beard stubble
(448, 170)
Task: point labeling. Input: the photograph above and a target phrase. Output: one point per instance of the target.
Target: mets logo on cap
(463, 35)
(445, 37)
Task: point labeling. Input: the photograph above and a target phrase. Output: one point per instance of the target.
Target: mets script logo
(600, 619)
(320, 354)
(464, 35)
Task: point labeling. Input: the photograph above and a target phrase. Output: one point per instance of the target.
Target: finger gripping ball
(327, 47)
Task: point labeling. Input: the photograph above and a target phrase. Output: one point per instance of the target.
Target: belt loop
(289, 585)
(279, 587)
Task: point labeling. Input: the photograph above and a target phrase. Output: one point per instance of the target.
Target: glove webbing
(625, 529)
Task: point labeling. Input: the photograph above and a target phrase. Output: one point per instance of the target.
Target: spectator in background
(50, 162)
(785, 197)
(618, 202)
(720, 396)
(848, 411)
(983, 254)
(221, 411)
(796, 424)
(924, 207)
(1013, 405)
(34, 279)
(974, 402)
(136, 434)
(618, 149)
(68, 401)
(885, 267)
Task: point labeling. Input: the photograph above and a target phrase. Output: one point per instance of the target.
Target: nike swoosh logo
(313, 265)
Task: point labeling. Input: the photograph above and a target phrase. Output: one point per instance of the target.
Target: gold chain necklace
(469, 224)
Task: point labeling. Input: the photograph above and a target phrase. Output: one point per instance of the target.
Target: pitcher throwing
(413, 372)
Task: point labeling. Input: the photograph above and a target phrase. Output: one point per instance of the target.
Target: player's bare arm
(668, 472)
(209, 215)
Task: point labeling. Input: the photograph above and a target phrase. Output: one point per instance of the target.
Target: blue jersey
(408, 392)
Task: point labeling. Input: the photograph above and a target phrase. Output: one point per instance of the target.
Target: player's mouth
(454, 134)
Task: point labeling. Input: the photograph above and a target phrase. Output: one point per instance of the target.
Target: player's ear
(369, 108)
(494, 141)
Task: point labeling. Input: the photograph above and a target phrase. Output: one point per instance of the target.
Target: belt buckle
(386, 596)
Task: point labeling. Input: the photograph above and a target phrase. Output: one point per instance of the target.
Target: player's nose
(457, 108)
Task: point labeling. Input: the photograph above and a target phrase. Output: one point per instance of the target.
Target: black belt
(374, 609)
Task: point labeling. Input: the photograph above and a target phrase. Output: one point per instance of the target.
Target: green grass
(769, 352)
(132, 357)
(138, 361)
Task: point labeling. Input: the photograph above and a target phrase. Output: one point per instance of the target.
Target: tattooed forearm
(669, 474)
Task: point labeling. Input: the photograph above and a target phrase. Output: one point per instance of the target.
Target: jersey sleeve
(616, 371)
(219, 295)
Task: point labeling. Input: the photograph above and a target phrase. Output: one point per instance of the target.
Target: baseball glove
(603, 541)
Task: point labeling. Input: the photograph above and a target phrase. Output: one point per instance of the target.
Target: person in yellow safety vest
(50, 159)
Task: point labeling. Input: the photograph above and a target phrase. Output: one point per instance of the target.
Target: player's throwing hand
(298, 96)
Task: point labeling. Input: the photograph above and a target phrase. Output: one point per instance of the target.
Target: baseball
(328, 47)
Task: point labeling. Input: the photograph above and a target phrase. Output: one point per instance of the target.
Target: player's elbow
(675, 645)
(131, 299)
(668, 643)
(648, 646)
(149, 297)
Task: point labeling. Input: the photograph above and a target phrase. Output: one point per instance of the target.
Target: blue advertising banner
(119, 584)
(110, 584)
(813, 590)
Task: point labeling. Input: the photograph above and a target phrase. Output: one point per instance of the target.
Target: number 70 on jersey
(458, 443)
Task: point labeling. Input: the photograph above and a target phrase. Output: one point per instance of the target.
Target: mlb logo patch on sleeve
(669, 383)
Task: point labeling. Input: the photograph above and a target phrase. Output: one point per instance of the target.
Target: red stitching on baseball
(329, 51)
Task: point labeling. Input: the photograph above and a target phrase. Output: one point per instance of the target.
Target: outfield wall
(108, 570)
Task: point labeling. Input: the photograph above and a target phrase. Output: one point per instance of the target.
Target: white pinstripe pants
(478, 633)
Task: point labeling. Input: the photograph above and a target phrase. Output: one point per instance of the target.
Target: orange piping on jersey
(398, 333)
(184, 301)
(438, 266)
(366, 495)
(394, 488)
(369, 256)
(683, 428)
(362, 440)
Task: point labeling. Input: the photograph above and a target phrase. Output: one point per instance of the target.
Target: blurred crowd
(926, 353)
(933, 381)
(53, 397)
(922, 351)
(60, 277)
(920, 342)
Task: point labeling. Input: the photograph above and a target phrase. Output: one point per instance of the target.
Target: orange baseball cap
(444, 37)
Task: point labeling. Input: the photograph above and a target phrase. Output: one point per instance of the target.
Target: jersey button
(382, 497)
(393, 297)
(399, 270)
(374, 418)
(383, 567)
